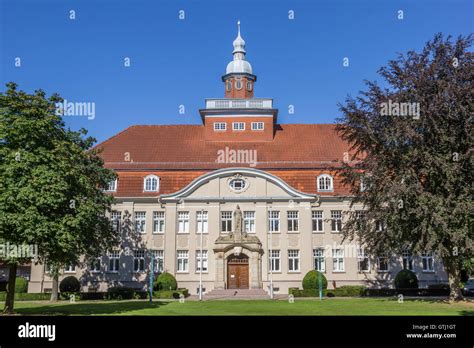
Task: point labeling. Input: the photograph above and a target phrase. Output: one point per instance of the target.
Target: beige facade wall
(215, 196)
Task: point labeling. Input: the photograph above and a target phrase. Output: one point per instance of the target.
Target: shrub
(349, 291)
(70, 284)
(165, 281)
(406, 279)
(120, 293)
(443, 286)
(21, 285)
(311, 281)
(167, 294)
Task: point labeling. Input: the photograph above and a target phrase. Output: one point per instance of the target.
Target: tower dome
(239, 65)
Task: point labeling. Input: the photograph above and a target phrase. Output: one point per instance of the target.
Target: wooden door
(238, 274)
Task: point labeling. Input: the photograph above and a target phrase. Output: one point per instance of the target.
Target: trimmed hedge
(27, 296)
(405, 279)
(69, 284)
(165, 281)
(167, 294)
(406, 292)
(343, 291)
(311, 280)
(21, 285)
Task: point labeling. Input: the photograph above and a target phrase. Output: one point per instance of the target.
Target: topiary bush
(311, 280)
(165, 281)
(21, 285)
(70, 284)
(406, 279)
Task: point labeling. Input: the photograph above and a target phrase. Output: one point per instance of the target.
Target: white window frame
(249, 221)
(407, 260)
(140, 221)
(380, 260)
(70, 269)
(361, 257)
(112, 186)
(226, 222)
(273, 221)
(238, 126)
(182, 261)
(336, 221)
(151, 183)
(220, 126)
(205, 267)
(237, 189)
(202, 222)
(293, 221)
(338, 260)
(139, 265)
(258, 126)
(116, 219)
(317, 219)
(325, 183)
(274, 261)
(183, 221)
(92, 266)
(114, 261)
(293, 261)
(159, 222)
(426, 257)
(319, 261)
(159, 260)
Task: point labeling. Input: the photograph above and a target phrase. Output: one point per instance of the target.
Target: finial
(238, 27)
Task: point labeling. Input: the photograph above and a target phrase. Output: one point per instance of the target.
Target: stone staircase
(237, 294)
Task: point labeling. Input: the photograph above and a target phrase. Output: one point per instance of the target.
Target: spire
(239, 65)
(239, 45)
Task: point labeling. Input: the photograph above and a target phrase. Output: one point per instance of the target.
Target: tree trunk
(55, 287)
(451, 266)
(10, 301)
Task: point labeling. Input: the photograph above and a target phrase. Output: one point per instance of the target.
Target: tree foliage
(417, 169)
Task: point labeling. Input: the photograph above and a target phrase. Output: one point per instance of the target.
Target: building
(238, 202)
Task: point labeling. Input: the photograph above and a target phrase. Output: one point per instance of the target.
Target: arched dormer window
(325, 183)
(150, 184)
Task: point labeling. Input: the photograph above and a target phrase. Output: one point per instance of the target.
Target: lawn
(346, 306)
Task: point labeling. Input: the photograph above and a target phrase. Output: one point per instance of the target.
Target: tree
(50, 192)
(416, 167)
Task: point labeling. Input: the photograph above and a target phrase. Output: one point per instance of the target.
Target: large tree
(416, 162)
(50, 187)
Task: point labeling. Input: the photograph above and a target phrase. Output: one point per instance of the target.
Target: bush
(27, 296)
(349, 291)
(406, 279)
(311, 281)
(120, 293)
(70, 284)
(443, 286)
(165, 281)
(21, 285)
(167, 294)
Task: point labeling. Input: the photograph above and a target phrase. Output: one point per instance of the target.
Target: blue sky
(180, 62)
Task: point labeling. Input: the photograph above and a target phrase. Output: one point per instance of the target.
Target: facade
(239, 202)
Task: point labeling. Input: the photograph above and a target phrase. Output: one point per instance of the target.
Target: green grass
(347, 306)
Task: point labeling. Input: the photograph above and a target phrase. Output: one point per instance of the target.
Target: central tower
(239, 79)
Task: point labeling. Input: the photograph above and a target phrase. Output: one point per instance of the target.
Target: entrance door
(238, 272)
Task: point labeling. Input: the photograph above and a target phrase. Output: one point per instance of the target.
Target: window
(114, 261)
(382, 263)
(336, 220)
(257, 126)
(407, 260)
(363, 262)
(115, 218)
(140, 221)
(238, 126)
(273, 221)
(363, 185)
(70, 269)
(220, 126)
(249, 221)
(202, 222)
(338, 260)
(228, 86)
(293, 260)
(158, 222)
(201, 261)
(427, 261)
(112, 186)
(226, 221)
(158, 260)
(381, 226)
(94, 265)
(151, 183)
(139, 260)
(293, 225)
(237, 184)
(274, 260)
(183, 260)
(361, 222)
(238, 84)
(249, 86)
(183, 222)
(317, 219)
(319, 261)
(325, 183)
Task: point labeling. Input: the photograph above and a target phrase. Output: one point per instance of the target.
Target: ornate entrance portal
(238, 272)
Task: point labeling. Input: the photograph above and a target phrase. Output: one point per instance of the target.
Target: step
(237, 294)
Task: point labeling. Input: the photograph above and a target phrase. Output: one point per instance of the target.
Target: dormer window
(325, 183)
(238, 126)
(112, 186)
(150, 184)
(220, 126)
(257, 126)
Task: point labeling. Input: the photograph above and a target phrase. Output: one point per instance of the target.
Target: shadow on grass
(90, 308)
